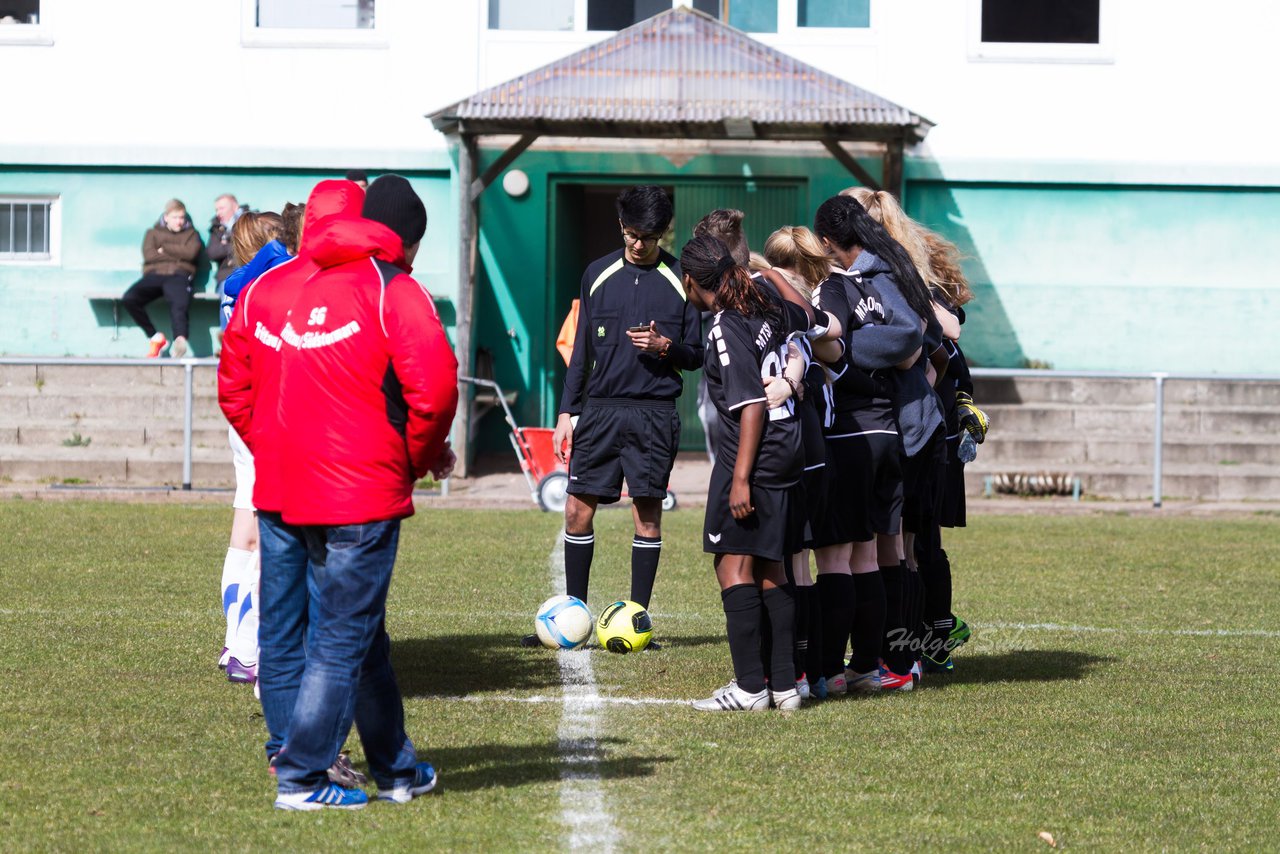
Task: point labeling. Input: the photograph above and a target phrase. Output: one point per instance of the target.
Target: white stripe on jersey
(863, 433)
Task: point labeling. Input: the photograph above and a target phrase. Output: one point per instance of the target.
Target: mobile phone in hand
(644, 327)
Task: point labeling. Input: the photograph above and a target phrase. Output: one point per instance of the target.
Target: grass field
(1120, 693)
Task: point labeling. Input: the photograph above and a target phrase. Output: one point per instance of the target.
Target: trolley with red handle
(547, 477)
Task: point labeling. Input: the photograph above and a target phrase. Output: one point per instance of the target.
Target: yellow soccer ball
(624, 627)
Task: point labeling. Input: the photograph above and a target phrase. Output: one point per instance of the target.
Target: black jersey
(740, 353)
(617, 295)
(860, 401)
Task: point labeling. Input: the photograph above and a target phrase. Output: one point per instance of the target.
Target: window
(27, 229)
(1040, 21)
(309, 23)
(1039, 30)
(22, 23)
(833, 13)
(523, 15)
(315, 14)
(786, 17)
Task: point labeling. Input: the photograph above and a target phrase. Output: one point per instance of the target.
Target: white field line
(537, 699)
(1111, 630)
(583, 808)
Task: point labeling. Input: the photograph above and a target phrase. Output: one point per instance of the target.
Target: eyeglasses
(631, 237)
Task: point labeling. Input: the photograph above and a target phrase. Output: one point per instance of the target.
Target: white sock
(243, 645)
(234, 572)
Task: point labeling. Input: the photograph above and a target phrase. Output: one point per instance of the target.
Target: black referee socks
(742, 606)
(868, 621)
(578, 551)
(645, 552)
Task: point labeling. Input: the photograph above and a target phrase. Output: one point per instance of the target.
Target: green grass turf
(119, 733)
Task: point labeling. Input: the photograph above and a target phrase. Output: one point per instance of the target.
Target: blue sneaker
(328, 796)
(424, 780)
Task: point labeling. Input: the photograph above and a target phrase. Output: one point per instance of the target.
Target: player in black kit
(748, 498)
(636, 333)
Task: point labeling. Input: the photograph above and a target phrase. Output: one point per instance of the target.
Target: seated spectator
(169, 253)
(226, 210)
(360, 176)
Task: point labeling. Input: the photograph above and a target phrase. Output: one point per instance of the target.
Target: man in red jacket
(248, 384)
(368, 391)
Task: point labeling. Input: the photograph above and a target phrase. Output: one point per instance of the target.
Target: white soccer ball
(563, 622)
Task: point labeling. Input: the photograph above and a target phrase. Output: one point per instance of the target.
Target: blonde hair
(935, 258)
(253, 231)
(796, 250)
(174, 205)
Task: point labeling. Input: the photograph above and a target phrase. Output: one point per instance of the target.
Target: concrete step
(140, 403)
(156, 374)
(1094, 391)
(1056, 450)
(1192, 481)
(113, 434)
(129, 466)
(1060, 418)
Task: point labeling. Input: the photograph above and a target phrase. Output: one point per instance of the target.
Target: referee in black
(636, 333)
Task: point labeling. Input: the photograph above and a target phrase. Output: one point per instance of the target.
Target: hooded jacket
(170, 253)
(270, 255)
(892, 332)
(249, 369)
(368, 382)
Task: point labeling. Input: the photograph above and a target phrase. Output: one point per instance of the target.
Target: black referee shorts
(764, 534)
(864, 489)
(635, 439)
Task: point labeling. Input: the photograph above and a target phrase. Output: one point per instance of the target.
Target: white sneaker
(785, 701)
(802, 686)
(836, 686)
(179, 348)
(862, 683)
(731, 698)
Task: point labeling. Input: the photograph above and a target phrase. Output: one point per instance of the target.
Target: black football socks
(578, 551)
(780, 609)
(742, 607)
(835, 597)
(645, 552)
(868, 621)
(895, 653)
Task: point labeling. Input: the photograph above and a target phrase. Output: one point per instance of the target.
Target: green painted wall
(104, 213)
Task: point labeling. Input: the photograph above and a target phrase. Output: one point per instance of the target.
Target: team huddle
(839, 413)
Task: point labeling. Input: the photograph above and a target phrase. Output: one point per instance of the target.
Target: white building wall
(1180, 87)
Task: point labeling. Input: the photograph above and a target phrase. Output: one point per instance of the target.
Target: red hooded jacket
(249, 369)
(368, 382)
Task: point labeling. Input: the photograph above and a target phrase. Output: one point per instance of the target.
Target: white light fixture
(516, 183)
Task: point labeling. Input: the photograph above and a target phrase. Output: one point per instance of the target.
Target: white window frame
(55, 229)
(1101, 53)
(251, 35)
(788, 29)
(39, 35)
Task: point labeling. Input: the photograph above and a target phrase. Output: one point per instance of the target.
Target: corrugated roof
(684, 69)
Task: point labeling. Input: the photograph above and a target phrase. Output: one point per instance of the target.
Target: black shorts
(864, 489)
(923, 481)
(953, 501)
(613, 439)
(763, 534)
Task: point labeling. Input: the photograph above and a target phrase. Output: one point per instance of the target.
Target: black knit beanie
(391, 201)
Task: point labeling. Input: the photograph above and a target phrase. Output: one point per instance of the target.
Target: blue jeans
(348, 664)
(282, 622)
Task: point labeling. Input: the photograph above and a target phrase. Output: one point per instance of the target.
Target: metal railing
(1157, 377)
(188, 365)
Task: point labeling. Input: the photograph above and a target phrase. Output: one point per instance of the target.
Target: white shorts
(242, 457)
